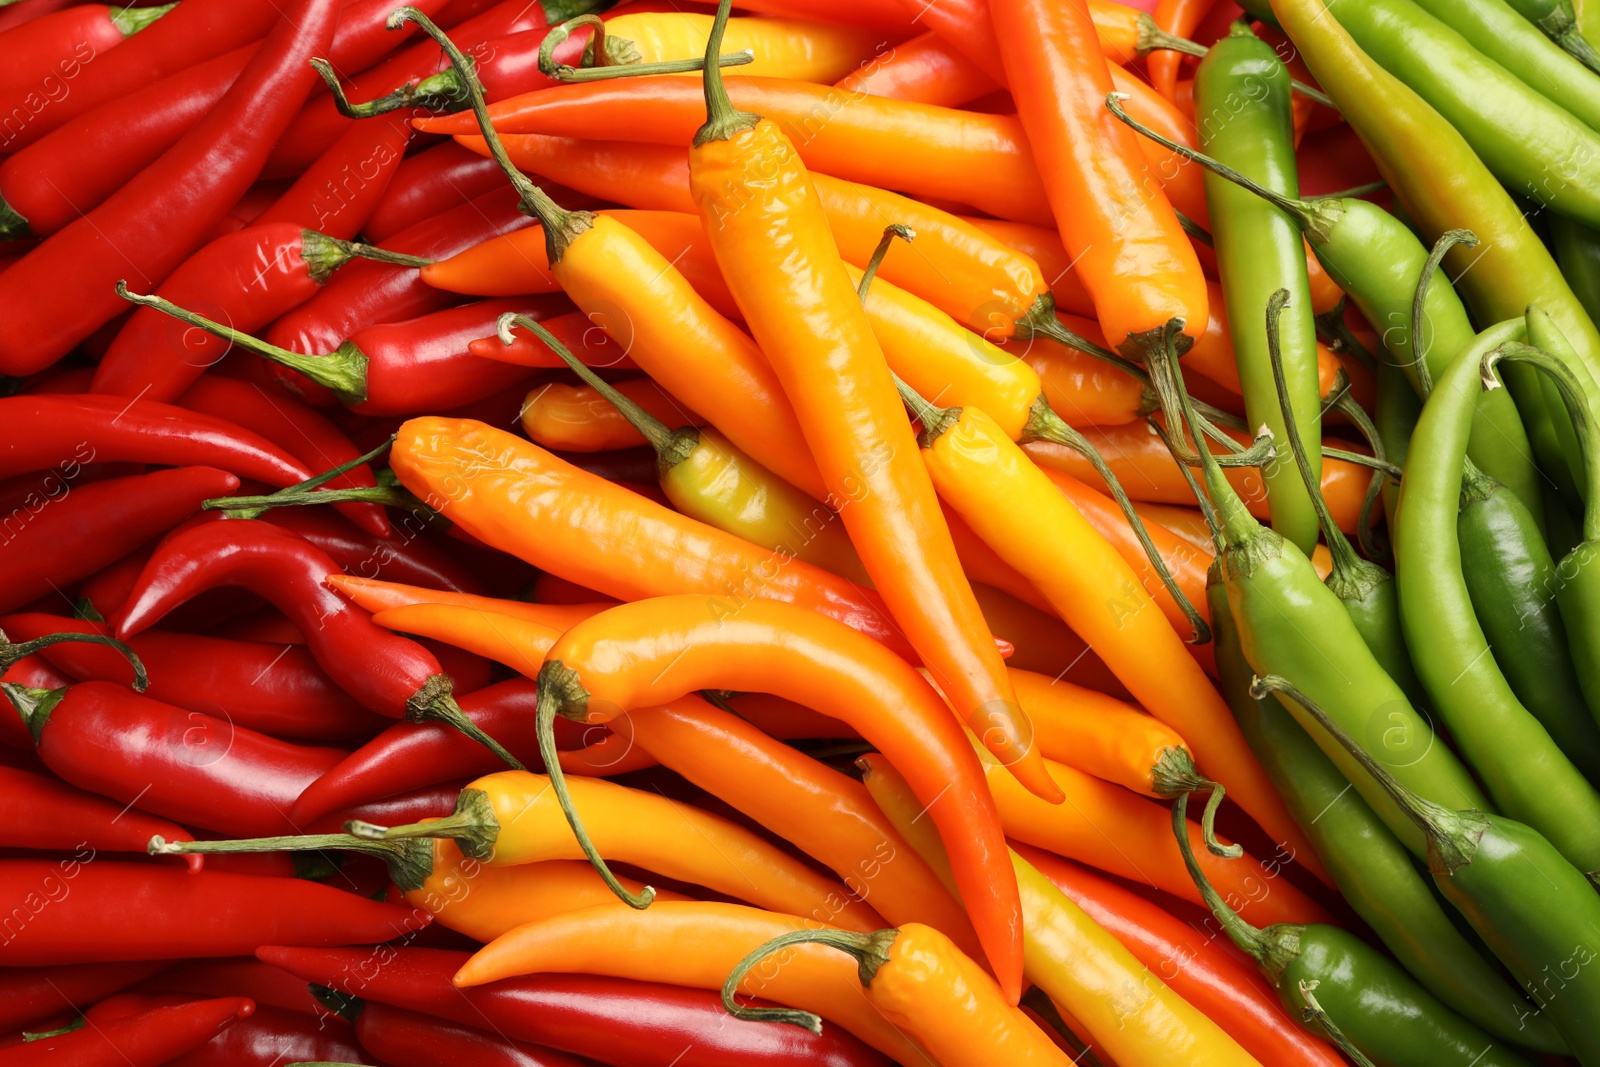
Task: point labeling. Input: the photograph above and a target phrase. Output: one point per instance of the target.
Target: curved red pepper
(183, 765)
(270, 1037)
(147, 1039)
(64, 290)
(28, 994)
(338, 191)
(366, 293)
(631, 1024)
(406, 1039)
(268, 688)
(365, 556)
(39, 812)
(87, 909)
(61, 539)
(247, 976)
(431, 802)
(428, 183)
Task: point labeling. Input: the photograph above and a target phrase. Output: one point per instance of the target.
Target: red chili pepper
(73, 535)
(432, 181)
(365, 556)
(28, 994)
(432, 802)
(267, 688)
(583, 337)
(183, 765)
(367, 293)
(27, 10)
(337, 193)
(147, 1039)
(82, 910)
(48, 50)
(637, 1024)
(387, 672)
(246, 976)
(299, 430)
(270, 1037)
(31, 672)
(364, 36)
(405, 1039)
(63, 290)
(74, 168)
(39, 812)
(319, 122)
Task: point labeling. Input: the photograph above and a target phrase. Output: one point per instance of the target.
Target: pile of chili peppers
(653, 534)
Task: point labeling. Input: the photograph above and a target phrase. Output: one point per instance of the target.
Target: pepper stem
(722, 119)
(11, 653)
(890, 232)
(344, 370)
(473, 826)
(1173, 775)
(130, 20)
(1452, 835)
(13, 226)
(1332, 326)
(1152, 38)
(1350, 408)
(1207, 511)
(1251, 940)
(434, 703)
(1315, 1012)
(33, 705)
(1419, 304)
(233, 510)
(616, 57)
(871, 952)
(561, 227)
(410, 862)
(1560, 24)
(388, 492)
(437, 92)
(672, 447)
(556, 682)
(323, 254)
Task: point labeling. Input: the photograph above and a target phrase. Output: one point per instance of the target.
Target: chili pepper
(390, 674)
(580, 334)
(27, 10)
(60, 292)
(578, 419)
(1493, 729)
(1089, 391)
(923, 70)
(44, 47)
(813, 51)
(275, 690)
(392, 369)
(403, 1039)
(267, 1038)
(845, 409)
(1557, 19)
(372, 293)
(1371, 867)
(1532, 907)
(336, 193)
(412, 558)
(247, 977)
(980, 474)
(57, 540)
(43, 813)
(1379, 262)
(1367, 993)
(634, 1022)
(428, 183)
(161, 1034)
(182, 915)
(1179, 18)
(34, 993)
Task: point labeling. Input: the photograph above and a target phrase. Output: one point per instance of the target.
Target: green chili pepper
(1536, 912)
(1578, 252)
(1562, 25)
(1371, 868)
(1524, 771)
(1545, 335)
(1241, 90)
(1378, 261)
(1396, 412)
(1376, 1005)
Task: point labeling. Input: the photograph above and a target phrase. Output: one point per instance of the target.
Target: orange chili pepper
(989, 480)
(647, 653)
(375, 596)
(1041, 642)
(693, 944)
(1081, 389)
(1186, 523)
(772, 239)
(1045, 247)
(924, 70)
(574, 418)
(1179, 18)
(781, 47)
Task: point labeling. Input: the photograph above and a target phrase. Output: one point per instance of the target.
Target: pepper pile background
(659, 534)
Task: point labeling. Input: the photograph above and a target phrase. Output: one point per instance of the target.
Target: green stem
(890, 232)
(1361, 459)
(561, 227)
(473, 826)
(1419, 302)
(11, 654)
(723, 121)
(617, 57)
(1355, 192)
(253, 507)
(410, 862)
(344, 370)
(871, 952)
(1175, 775)
(1341, 338)
(13, 226)
(1038, 1002)
(1235, 522)
(1251, 940)
(387, 493)
(323, 255)
(1153, 38)
(1315, 1012)
(77, 1023)
(558, 685)
(1346, 404)
(443, 91)
(1195, 230)
(671, 446)
(130, 20)
(1207, 511)
(434, 703)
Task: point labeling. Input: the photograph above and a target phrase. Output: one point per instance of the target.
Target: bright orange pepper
(574, 418)
(1179, 18)
(375, 596)
(923, 70)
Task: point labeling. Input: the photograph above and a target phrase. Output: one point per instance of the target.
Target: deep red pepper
(366, 556)
(586, 340)
(319, 123)
(74, 535)
(337, 193)
(267, 688)
(183, 765)
(389, 673)
(64, 290)
(74, 168)
(406, 1039)
(364, 37)
(628, 1024)
(430, 802)
(147, 1039)
(28, 994)
(299, 430)
(270, 1037)
(92, 910)
(40, 812)
(40, 54)
(27, 10)
(432, 181)
(32, 672)
(67, 431)
(367, 293)
(246, 976)
(410, 756)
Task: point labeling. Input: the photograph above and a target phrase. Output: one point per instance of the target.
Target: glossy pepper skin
(51, 540)
(269, 1037)
(337, 192)
(43, 813)
(75, 912)
(612, 1020)
(429, 183)
(407, 1039)
(30, 994)
(144, 1039)
(64, 290)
